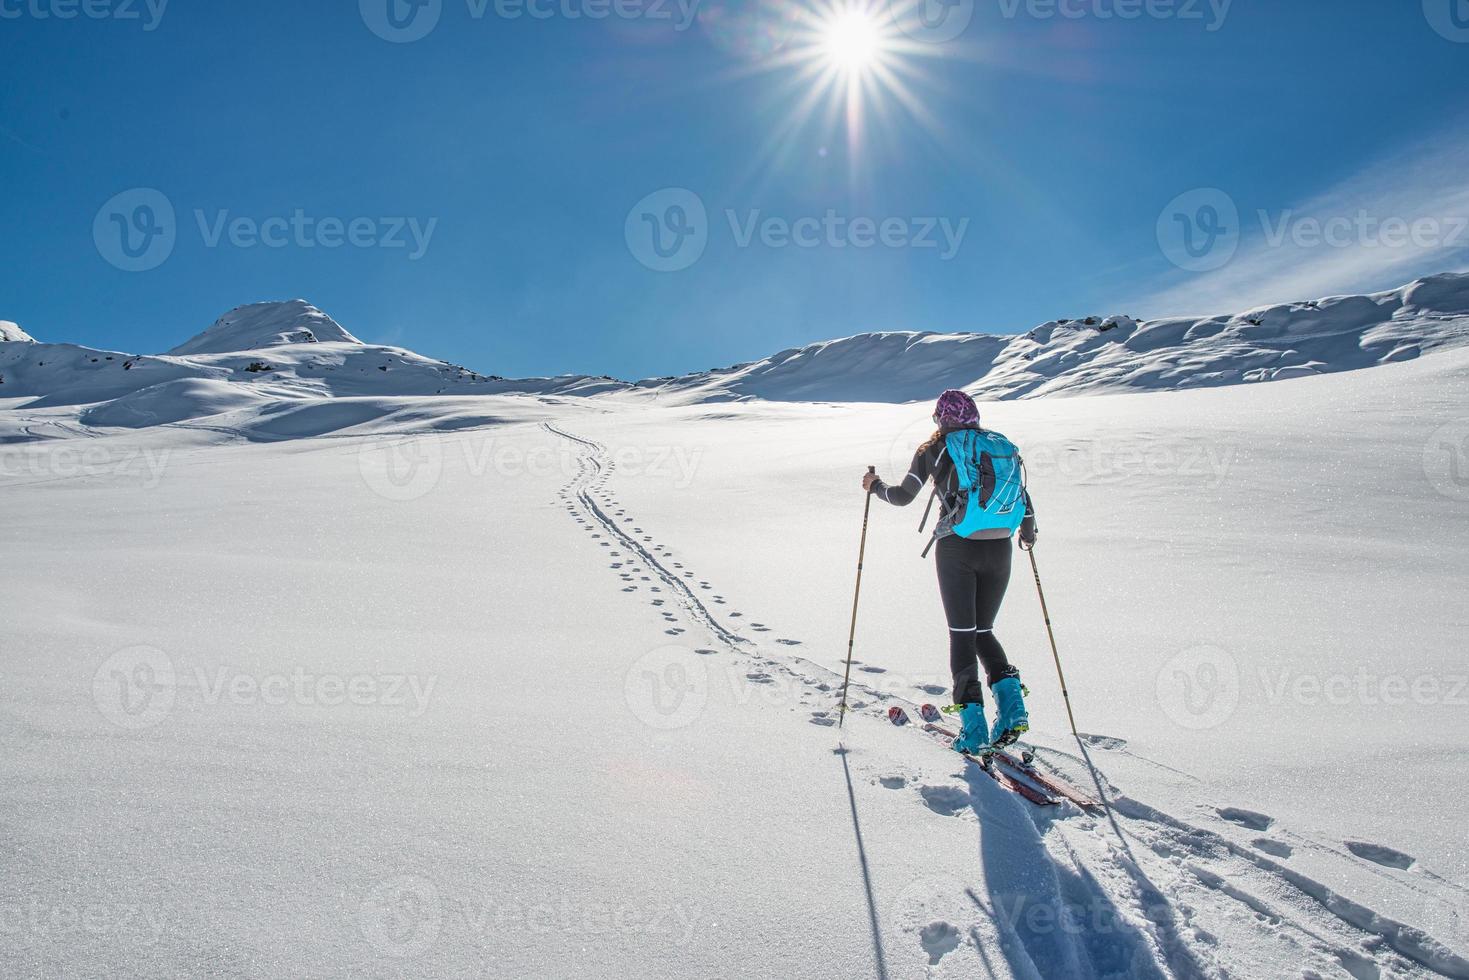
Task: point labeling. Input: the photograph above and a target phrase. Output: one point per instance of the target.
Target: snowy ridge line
(1101, 354)
(1406, 940)
(597, 459)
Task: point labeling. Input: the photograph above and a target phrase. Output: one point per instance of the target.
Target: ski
(1051, 784)
(986, 762)
(900, 717)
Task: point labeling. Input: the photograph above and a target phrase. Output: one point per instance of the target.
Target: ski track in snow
(1141, 893)
(593, 470)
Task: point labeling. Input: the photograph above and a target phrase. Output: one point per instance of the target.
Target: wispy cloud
(1400, 218)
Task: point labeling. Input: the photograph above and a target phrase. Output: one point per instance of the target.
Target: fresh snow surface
(12, 333)
(329, 673)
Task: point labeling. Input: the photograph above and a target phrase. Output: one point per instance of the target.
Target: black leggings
(973, 576)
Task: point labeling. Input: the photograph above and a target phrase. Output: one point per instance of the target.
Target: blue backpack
(991, 478)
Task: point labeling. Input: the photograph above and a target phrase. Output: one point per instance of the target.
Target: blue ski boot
(974, 731)
(1011, 721)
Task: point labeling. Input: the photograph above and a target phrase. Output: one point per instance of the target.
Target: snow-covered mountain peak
(1111, 353)
(12, 333)
(260, 325)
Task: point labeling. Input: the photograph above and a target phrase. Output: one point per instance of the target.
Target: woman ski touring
(978, 477)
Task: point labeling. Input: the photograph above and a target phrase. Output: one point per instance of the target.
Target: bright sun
(852, 63)
(853, 41)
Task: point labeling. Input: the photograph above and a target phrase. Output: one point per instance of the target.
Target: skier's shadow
(1053, 917)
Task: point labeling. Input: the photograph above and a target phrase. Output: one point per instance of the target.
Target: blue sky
(492, 187)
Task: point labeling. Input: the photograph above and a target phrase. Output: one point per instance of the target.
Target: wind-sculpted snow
(1111, 353)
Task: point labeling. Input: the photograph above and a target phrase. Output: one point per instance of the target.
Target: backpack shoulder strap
(962, 448)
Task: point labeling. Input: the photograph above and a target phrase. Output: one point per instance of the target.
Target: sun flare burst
(850, 64)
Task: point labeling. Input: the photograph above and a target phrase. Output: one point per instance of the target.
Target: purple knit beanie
(956, 410)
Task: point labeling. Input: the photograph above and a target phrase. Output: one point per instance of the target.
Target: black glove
(1028, 533)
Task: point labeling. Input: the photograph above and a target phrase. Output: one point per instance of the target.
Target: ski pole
(1052, 634)
(856, 593)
